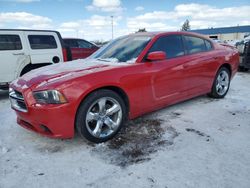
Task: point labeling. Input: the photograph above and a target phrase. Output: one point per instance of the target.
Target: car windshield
(123, 49)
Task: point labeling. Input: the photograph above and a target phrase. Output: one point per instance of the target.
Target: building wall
(229, 36)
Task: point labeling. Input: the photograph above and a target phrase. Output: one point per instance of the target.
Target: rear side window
(194, 44)
(10, 42)
(172, 45)
(208, 45)
(84, 44)
(42, 42)
(71, 43)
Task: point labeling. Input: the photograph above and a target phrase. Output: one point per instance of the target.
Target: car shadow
(134, 144)
(4, 94)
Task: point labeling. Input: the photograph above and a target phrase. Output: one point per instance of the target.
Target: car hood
(63, 71)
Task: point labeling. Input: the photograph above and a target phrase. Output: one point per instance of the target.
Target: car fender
(102, 86)
(22, 62)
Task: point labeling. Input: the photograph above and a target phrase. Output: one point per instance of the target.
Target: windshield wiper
(100, 59)
(112, 60)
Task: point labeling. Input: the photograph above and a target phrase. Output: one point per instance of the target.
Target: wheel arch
(213, 93)
(30, 66)
(228, 66)
(113, 88)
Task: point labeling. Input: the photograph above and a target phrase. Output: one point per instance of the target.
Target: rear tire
(100, 116)
(221, 83)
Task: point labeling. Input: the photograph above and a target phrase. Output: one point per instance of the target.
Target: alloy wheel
(103, 117)
(222, 83)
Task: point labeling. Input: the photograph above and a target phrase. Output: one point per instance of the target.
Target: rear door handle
(22, 53)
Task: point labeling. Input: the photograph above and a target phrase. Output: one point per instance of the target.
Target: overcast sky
(90, 19)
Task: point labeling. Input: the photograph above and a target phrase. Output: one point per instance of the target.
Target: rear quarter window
(10, 42)
(195, 44)
(42, 42)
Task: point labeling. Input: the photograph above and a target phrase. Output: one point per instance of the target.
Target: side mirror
(156, 56)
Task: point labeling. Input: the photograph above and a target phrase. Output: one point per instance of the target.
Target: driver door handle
(22, 53)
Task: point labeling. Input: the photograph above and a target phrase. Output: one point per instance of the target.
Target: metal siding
(223, 30)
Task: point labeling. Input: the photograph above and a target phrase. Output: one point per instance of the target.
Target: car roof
(71, 38)
(161, 33)
(29, 30)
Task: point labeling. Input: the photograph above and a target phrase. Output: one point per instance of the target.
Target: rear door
(44, 47)
(200, 64)
(12, 54)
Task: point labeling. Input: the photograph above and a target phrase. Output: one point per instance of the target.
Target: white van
(24, 50)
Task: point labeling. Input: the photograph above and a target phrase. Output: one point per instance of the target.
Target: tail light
(65, 56)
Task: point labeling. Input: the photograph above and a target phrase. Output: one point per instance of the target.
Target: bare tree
(141, 30)
(185, 26)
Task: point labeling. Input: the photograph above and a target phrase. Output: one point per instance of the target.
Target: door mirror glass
(156, 56)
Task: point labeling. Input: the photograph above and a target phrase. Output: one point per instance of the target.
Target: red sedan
(80, 48)
(131, 76)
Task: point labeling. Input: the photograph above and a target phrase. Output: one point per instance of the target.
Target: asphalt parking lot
(202, 142)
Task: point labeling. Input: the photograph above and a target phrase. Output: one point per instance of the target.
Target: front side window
(194, 44)
(42, 42)
(123, 49)
(172, 45)
(10, 42)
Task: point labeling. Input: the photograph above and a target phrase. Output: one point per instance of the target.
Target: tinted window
(195, 44)
(208, 45)
(123, 49)
(172, 45)
(71, 43)
(10, 42)
(42, 42)
(84, 44)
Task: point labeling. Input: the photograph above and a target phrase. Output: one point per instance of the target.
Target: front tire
(100, 116)
(221, 83)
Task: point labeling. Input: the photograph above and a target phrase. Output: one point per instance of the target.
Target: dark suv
(244, 51)
(80, 48)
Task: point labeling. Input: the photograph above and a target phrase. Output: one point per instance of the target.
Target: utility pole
(112, 25)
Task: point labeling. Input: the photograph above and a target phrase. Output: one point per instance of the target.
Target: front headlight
(49, 97)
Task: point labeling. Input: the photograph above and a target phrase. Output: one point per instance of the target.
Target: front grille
(17, 100)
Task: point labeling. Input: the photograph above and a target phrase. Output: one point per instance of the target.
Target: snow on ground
(202, 142)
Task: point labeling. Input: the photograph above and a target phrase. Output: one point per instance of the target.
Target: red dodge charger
(130, 76)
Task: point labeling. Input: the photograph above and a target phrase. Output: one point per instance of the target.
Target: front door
(167, 77)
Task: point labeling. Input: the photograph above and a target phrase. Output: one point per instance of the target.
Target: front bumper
(51, 120)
